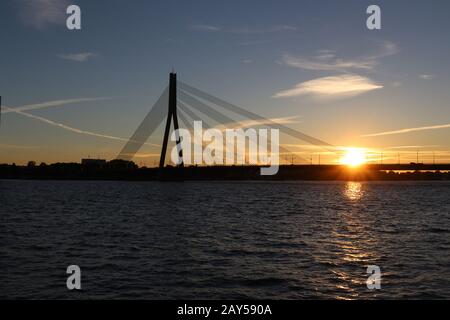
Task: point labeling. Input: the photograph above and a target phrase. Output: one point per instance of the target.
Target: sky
(82, 93)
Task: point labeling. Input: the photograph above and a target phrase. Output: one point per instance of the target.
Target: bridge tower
(172, 113)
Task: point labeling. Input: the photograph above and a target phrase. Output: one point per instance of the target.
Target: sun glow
(354, 157)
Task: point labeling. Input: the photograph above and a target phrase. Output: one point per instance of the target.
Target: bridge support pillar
(172, 114)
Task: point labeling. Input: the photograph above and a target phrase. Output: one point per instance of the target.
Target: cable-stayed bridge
(183, 104)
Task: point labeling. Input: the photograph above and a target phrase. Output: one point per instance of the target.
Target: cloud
(243, 30)
(335, 86)
(261, 122)
(250, 123)
(277, 28)
(385, 48)
(427, 76)
(327, 60)
(326, 54)
(407, 130)
(41, 14)
(54, 103)
(413, 147)
(284, 27)
(78, 57)
(144, 155)
(252, 42)
(13, 146)
(205, 27)
(73, 129)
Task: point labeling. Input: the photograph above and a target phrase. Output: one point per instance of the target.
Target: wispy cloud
(54, 103)
(413, 147)
(407, 130)
(427, 76)
(243, 124)
(328, 60)
(14, 146)
(277, 28)
(144, 155)
(243, 30)
(261, 122)
(335, 86)
(78, 57)
(71, 129)
(284, 27)
(205, 27)
(41, 14)
(253, 42)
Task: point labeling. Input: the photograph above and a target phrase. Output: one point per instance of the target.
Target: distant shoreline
(120, 170)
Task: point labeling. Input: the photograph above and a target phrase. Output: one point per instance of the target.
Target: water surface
(224, 240)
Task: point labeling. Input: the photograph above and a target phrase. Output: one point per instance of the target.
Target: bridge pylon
(172, 114)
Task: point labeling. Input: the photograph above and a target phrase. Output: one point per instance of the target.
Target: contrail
(72, 129)
(413, 147)
(52, 104)
(442, 126)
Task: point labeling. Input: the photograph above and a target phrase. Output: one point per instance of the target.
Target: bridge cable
(238, 110)
(153, 119)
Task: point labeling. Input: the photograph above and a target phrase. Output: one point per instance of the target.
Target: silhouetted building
(119, 164)
(93, 162)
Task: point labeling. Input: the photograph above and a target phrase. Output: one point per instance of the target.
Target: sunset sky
(83, 93)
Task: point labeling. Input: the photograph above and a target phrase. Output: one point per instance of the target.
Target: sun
(354, 157)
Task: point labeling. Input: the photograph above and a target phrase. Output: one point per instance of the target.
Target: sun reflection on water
(354, 244)
(353, 190)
